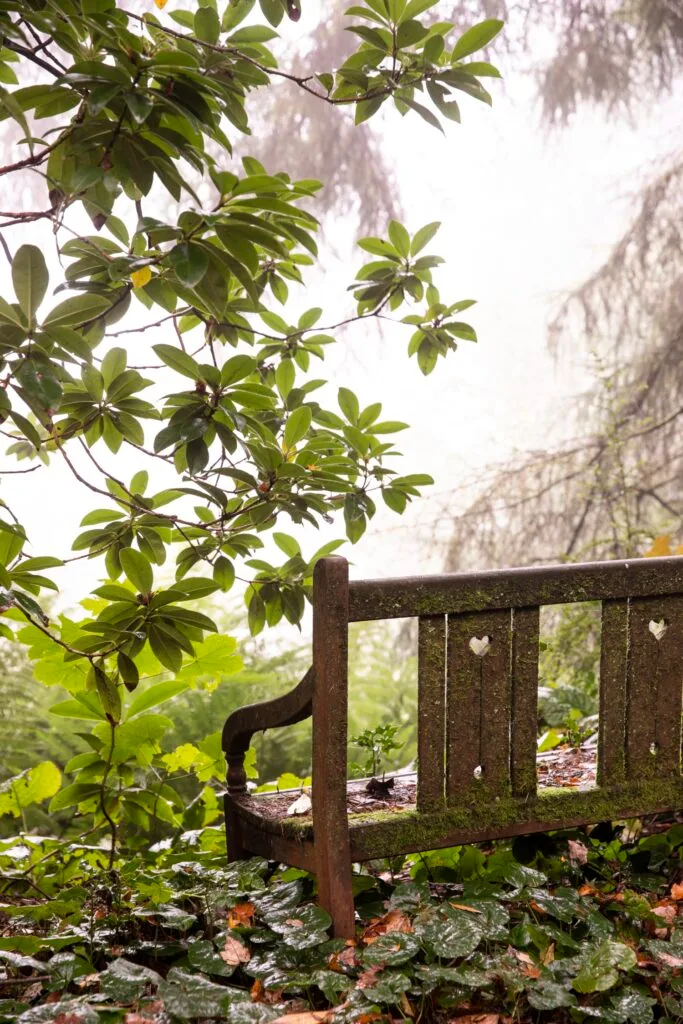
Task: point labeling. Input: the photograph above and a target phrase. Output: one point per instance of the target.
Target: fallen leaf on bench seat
(300, 806)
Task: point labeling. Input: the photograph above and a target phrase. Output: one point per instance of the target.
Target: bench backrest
(478, 643)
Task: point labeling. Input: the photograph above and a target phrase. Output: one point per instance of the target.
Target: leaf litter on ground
(571, 927)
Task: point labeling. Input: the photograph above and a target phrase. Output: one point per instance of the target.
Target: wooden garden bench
(476, 717)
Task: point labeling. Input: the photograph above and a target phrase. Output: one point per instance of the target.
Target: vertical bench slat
(478, 704)
(524, 729)
(463, 707)
(641, 708)
(431, 713)
(496, 669)
(611, 769)
(330, 716)
(656, 680)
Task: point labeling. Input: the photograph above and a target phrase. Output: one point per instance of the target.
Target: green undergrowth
(575, 926)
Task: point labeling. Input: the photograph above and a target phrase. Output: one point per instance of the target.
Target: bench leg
(332, 848)
(335, 894)
(236, 850)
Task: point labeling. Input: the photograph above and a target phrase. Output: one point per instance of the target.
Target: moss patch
(384, 833)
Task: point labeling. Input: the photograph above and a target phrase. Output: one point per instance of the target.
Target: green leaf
(128, 671)
(449, 933)
(188, 996)
(189, 262)
(30, 278)
(72, 795)
(137, 569)
(423, 237)
(166, 650)
(76, 311)
(410, 32)
(476, 37)
(178, 361)
(285, 375)
(31, 787)
(400, 238)
(85, 707)
(109, 694)
(287, 544)
(366, 108)
(348, 403)
(113, 365)
(424, 113)
(237, 368)
(206, 25)
(549, 995)
(154, 695)
(297, 426)
(224, 573)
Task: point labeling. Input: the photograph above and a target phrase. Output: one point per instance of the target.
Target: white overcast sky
(525, 218)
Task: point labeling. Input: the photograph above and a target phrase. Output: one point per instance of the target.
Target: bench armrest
(241, 725)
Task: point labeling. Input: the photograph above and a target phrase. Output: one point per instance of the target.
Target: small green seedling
(379, 743)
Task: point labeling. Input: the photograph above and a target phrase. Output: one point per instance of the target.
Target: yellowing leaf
(143, 276)
(661, 546)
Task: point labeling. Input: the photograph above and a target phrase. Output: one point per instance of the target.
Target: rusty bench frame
(476, 718)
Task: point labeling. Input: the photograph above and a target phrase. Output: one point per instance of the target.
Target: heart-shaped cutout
(658, 629)
(480, 645)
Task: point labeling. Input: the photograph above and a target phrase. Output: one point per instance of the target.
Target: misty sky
(525, 216)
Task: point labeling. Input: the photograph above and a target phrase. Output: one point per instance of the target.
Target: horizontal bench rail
(458, 593)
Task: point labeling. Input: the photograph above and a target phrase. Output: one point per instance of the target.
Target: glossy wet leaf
(448, 933)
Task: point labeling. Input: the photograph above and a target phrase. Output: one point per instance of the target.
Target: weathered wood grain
(431, 712)
(478, 705)
(613, 695)
(330, 716)
(524, 728)
(514, 588)
(655, 685)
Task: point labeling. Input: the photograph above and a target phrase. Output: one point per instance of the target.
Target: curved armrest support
(292, 707)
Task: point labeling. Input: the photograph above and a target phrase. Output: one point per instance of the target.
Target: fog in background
(527, 214)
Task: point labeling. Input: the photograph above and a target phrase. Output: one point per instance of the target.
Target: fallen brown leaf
(368, 977)
(308, 1017)
(393, 921)
(235, 952)
(476, 1018)
(462, 906)
(241, 915)
(666, 911)
(670, 960)
(578, 853)
(549, 955)
(406, 1006)
(87, 980)
(347, 958)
